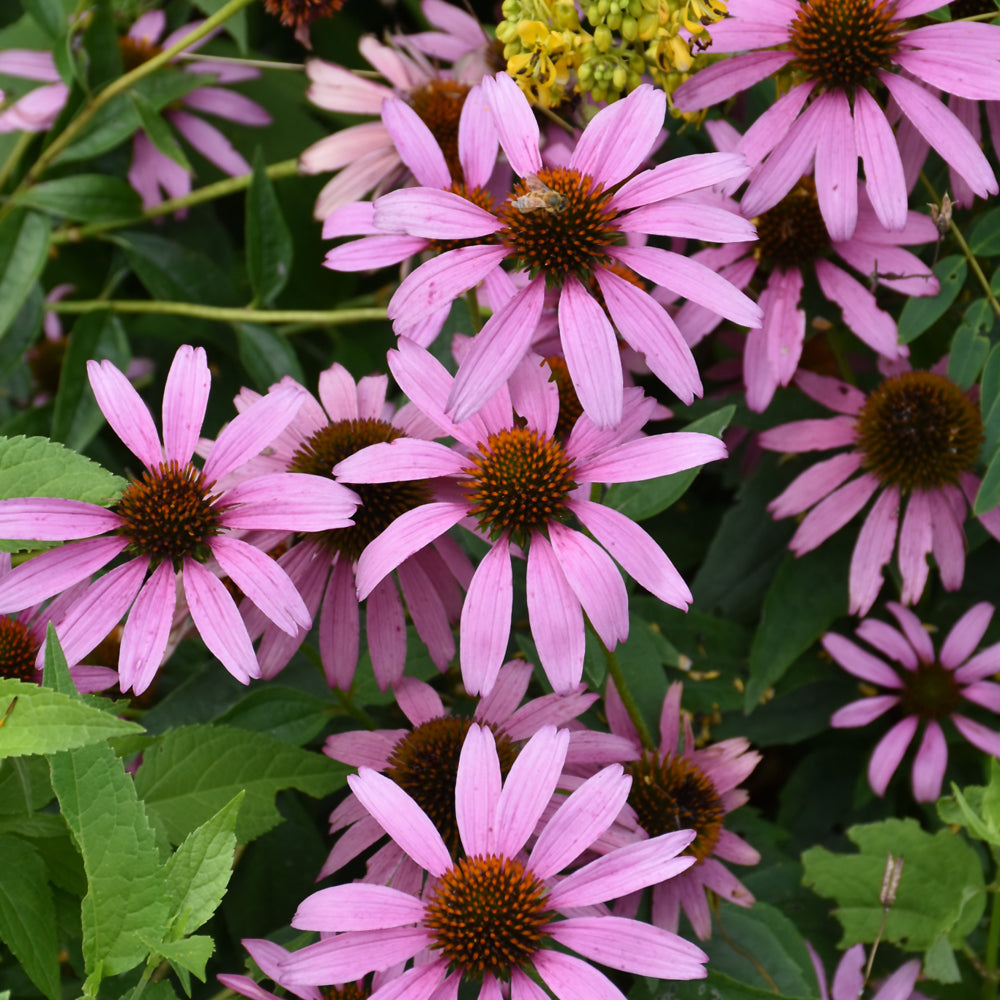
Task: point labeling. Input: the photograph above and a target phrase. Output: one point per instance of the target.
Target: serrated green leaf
(941, 892)
(919, 314)
(269, 243)
(198, 872)
(45, 721)
(126, 901)
(969, 347)
(84, 198)
(642, 500)
(192, 772)
(27, 915)
(984, 236)
(158, 132)
(189, 955)
(266, 354)
(174, 272)
(976, 807)
(24, 249)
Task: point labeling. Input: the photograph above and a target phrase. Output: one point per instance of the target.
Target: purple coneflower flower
(152, 171)
(566, 228)
(168, 523)
(522, 485)
(37, 110)
(849, 979)
(926, 687)
(837, 52)
(497, 915)
(913, 440)
(679, 787)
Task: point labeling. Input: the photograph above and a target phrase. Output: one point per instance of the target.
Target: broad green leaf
(48, 15)
(989, 490)
(976, 807)
(192, 772)
(269, 243)
(98, 58)
(24, 785)
(969, 347)
(174, 272)
(84, 197)
(44, 721)
(198, 872)
(96, 336)
(56, 673)
(941, 891)
(266, 354)
(126, 901)
(189, 955)
(984, 236)
(919, 314)
(285, 713)
(808, 593)
(940, 964)
(717, 986)
(27, 916)
(642, 500)
(23, 331)
(235, 25)
(158, 131)
(24, 248)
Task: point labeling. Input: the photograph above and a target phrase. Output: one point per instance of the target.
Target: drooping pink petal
(210, 142)
(914, 631)
(810, 435)
(831, 514)
(125, 412)
(486, 615)
(227, 104)
(385, 622)
(775, 122)
(880, 155)
(831, 392)
(929, 763)
(570, 978)
(29, 64)
(915, 542)
(426, 605)
(888, 640)
(849, 979)
(871, 324)
(416, 144)
(147, 629)
(889, 752)
(836, 169)
(948, 543)
(477, 792)
(872, 551)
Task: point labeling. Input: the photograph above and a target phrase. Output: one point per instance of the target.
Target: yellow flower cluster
(550, 53)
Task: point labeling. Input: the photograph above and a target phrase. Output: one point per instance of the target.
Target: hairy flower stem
(230, 185)
(315, 317)
(618, 679)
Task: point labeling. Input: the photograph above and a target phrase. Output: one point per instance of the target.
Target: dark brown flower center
(169, 514)
(136, 51)
(793, 232)
(570, 407)
(558, 224)
(487, 916)
(439, 106)
(349, 991)
(18, 649)
(930, 691)
(518, 483)
(672, 793)
(919, 430)
(381, 503)
(841, 43)
(424, 763)
(296, 13)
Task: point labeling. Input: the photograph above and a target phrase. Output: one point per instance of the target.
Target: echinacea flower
(168, 523)
(350, 416)
(423, 760)
(152, 171)
(524, 487)
(838, 52)
(924, 687)
(679, 787)
(912, 441)
(497, 915)
(849, 979)
(37, 110)
(565, 228)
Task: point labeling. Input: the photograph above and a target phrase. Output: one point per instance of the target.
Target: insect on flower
(539, 196)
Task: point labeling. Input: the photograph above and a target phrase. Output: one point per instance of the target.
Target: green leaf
(975, 807)
(266, 354)
(174, 272)
(46, 721)
(989, 490)
(269, 243)
(235, 25)
(192, 772)
(27, 915)
(23, 331)
(984, 237)
(96, 336)
(808, 593)
(84, 197)
(158, 132)
(126, 902)
(48, 15)
(285, 713)
(717, 986)
(189, 955)
(56, 673)
(24, 250)
(919, 314)
(24, 785)
(642, 500)
(940, 964)
(941, 891)
(198, 871)
(969, 347)
(989, 401)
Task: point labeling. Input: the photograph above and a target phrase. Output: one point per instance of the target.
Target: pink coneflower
(37, 110)
(168, 523)
(678, 787)
(457, 37)
(837, 51)
(565, 228)
(424, 760)
(154, 174)
(926, 687)
(914, 439)
(498, 915)
(350, 416)
(849, 979)
(522, 486)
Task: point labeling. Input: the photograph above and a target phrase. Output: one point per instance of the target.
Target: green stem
(230, 185)
(221, 314)
(618, 678)
(992, 950)
(255, 63)
(474, 315)
(14, 157)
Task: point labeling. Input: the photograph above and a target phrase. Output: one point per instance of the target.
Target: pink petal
(125, 412)
(915, 540)
(477, 137)
(485, 626)
(346, 957)
(210, 142)
(185, 399)
(339, 627)
(385, 622)
(650, 457)
(831, 392)
(872, 551)
(289, 501)
(956, 72)
(930, 763)
(816, 482)
(515, 123)
(980, 736)
(914, 631)
(876, 142)
(863, 712)
(50, 519)
(831, 514)
(477, 792)
(948, 544)
(773, 124)
(29, 64)
(720, 82)
(849, 979)
(357, 907)
(875, 327)
(859, 662)
(227, 104)
(679, 176)
(570, 978)
(889, 752)
(416, 144)
(965, 635)
(400, 460)
(836, 169)
(888, 640)
(433, 214)
(147, 630)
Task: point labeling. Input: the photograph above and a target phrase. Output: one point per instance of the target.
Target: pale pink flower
(923, 686)
(839, 50)
(168, 523)
(153, 174)
(568, 228)
(849, 979)
(498, 914)
(457, 37)
(678, 786)
(37, 110)
(523, 486)
(913, 441)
